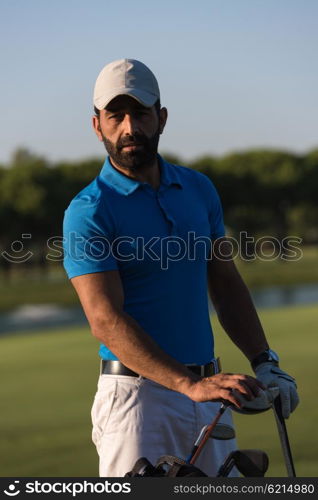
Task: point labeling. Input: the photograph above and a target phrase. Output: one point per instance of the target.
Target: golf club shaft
(197, 442)
(226, 467)
(283, 436)
(197, 449)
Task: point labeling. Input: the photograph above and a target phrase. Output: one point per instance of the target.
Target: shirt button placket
(168, 217)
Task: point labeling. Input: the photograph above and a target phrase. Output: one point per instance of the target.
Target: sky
(234, 74)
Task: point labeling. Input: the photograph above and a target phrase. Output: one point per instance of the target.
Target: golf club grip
(283, 436)
(206, 436)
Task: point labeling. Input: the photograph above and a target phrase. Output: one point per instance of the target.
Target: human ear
(163, 115)
(96, 127)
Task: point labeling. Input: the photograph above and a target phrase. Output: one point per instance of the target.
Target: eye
(141, 112)
(115, 116)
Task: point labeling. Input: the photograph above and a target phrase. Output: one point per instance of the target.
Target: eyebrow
(114, 109)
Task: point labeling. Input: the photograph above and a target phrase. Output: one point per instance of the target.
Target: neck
(149, 174)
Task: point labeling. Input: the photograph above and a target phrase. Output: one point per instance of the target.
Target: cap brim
(144, 98)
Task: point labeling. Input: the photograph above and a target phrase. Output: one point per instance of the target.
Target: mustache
(134, 140)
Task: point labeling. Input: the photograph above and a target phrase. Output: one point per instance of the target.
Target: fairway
(49, 379)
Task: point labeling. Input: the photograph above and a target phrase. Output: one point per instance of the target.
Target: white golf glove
(270, 374)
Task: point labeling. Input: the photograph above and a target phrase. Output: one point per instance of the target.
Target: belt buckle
(214, 362)
(213, 368)
(217, 365)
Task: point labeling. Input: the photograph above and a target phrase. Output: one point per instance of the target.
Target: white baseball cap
(126, 77)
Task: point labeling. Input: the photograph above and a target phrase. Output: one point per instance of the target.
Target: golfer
(143, 247)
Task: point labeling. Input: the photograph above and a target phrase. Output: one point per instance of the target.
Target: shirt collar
(120, 182)
(126, 185)
(169, 174)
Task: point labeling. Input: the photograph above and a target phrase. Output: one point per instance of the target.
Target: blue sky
(234, 74)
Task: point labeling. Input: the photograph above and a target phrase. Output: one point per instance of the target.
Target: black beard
(132, 160)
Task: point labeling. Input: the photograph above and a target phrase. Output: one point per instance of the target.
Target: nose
(130, 124)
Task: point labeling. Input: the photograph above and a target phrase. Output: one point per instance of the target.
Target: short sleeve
(214, 208)
(216, 218)
(87, 239)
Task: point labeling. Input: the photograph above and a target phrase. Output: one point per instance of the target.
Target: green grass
(260, 273)
(48, 382)
(29, 288)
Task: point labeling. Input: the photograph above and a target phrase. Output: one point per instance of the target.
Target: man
(138, 250)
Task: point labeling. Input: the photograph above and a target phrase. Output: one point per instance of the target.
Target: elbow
(102, 327)
(99, 328)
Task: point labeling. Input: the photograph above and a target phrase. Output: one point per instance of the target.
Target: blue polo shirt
(159, 241)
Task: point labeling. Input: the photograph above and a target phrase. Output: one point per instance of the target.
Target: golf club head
(250, 463)
(223, 432)
(220, 432)
(261, 403)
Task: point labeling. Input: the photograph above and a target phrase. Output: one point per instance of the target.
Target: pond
(34, 317)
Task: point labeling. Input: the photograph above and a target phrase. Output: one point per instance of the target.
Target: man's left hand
(270, 374)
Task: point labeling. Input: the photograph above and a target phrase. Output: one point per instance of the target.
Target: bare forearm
(140, 353)
(136, 350)
(237, 315)
(102, 298)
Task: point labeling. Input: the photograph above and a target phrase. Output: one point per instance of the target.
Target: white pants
(134, 417)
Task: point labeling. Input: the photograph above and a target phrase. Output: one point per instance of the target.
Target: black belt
(112, 367)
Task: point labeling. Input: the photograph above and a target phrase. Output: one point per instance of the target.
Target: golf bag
(166, 466)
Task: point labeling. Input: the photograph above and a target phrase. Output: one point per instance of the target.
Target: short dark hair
(157, 105)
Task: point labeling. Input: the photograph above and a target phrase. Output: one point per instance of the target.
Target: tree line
(263, 191)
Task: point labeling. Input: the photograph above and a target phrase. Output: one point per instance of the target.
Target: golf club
(250, 463)
(221, 432)
(261, 403)
(282, 431)
(204, 435)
